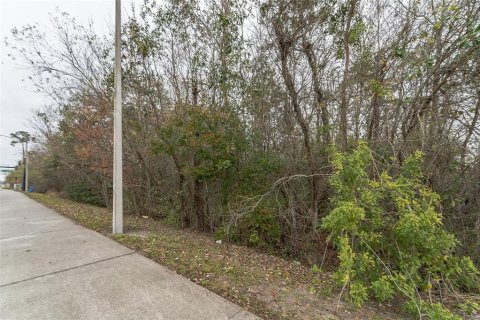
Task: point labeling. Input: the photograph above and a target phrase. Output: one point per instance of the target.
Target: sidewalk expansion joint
(235, 314)
(68, 269)
(34, 234)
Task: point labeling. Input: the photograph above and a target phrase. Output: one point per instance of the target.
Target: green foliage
(390, 236)
(316, 269)
(433, 311)
(20, 137)
(262, 227)
(259, 228)
(142, 44)
(463, 274)
(172, 218)
(378, 88)
(256, 172)
(355, 33)
(469, 307)
(346, 216)
(206, 134)
(400, 52)
(221, 233)
(383, 289)
(436, 311)
(82, 193)
(358, 293)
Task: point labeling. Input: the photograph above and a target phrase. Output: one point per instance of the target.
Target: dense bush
(81, 193)
(258, 228)
(390, 236)
(217, 120)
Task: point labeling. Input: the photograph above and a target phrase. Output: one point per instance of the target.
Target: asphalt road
(51, 268)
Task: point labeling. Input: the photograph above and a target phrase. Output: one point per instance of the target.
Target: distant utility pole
(117, 221)
(22, 137)
(26, 166)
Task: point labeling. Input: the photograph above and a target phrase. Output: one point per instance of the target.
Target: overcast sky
(17, 99)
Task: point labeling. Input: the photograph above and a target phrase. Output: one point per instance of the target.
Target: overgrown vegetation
(233, 111)
(391, 239)
(266, 285)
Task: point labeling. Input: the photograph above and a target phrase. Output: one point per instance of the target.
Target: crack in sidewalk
(68, 269)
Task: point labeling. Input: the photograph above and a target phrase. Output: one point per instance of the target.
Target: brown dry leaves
(269, 286)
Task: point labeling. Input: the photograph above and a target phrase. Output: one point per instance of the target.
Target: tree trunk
(198, 198)
(198, 204)
(284, 46)
(373, 130)
(319, 96)
(343, 134)
(185, 214)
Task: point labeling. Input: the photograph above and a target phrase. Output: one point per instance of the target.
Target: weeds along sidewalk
(266, 285)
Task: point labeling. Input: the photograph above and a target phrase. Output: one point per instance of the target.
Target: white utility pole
(26, 166)
(117, 221)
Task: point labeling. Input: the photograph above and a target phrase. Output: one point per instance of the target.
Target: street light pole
(117, 221)
(26, 166)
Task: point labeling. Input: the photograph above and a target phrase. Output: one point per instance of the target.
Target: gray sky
(17, 99)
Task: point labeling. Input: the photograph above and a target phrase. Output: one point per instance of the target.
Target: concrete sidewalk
(51, 268)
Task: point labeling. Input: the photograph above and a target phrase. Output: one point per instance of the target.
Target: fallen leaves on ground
(267, 285)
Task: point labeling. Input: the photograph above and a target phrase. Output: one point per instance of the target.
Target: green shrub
(81, 193)
(172, 218)
(222, 233)
(436, 311)
(256, 172)
(358, 293)
(259, 228)
(469, 307)
(390, 236)
(383, 289)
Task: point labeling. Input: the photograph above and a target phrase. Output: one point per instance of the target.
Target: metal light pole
(117, 221)
(26, 166)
